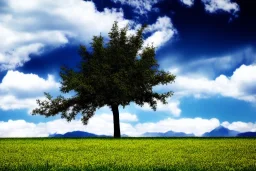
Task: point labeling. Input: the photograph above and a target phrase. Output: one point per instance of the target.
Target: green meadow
(128, 154)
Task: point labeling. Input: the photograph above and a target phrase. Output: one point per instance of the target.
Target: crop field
(128, 154)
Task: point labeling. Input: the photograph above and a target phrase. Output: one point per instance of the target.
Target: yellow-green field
(128, 154)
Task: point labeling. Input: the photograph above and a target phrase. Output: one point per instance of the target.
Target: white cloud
(211, 67)
(21, 128)
(188, 2)
(124, 117)
(54, 23)
(240, 126)
(241, 85)
(172, 107)
(213, 6)
(15, 81)
(162, 31)
(10, 102)
(20, 91)
(128, 117)
(140, 6)
(15, 58)
(30, 27)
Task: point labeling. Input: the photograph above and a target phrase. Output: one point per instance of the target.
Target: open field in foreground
(128, 154)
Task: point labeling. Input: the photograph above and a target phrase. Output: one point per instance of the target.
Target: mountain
(217, 132)
(74, 134)
(177, 134)
(247, 134)
(124, 135)
(221, 132)
(55, 135)
(152, 134)
(166, 134)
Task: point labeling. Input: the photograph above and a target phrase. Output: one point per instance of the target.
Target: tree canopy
(112, 74)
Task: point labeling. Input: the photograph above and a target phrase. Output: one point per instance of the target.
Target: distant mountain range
(167, 134)
(247, 134)
(75, 134)
(217, 132)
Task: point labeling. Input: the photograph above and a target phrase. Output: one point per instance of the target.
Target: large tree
(111, 74)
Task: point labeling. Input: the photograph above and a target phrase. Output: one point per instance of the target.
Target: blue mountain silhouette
(166, 134)
(55, 135)
(152, 134)
(79, 134)
(247, 134)
(221, 132)
(217, 132)
(74, 134)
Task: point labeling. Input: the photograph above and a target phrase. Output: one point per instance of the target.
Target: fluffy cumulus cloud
(161, 32)
(126, 117)
(187, 2)
(20, 91)
(172, 107)
(241, 85)
(213, 6)
(27, 27)
(30, 27)
(212, 67)
(240, 126)
(140, 6)
(21, 128)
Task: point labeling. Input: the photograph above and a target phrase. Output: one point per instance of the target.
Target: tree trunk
(116, 122)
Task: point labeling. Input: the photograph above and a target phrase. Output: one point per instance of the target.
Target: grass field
(128, 154)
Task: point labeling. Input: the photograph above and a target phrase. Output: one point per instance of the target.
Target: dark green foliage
(111, 74)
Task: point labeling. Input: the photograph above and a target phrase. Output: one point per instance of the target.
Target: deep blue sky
(209, 45)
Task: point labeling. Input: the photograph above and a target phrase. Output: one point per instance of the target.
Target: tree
(115, 74)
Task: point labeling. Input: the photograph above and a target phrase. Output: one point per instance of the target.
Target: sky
(210, 45)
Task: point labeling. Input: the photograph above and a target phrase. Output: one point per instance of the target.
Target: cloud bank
(187, 2)
(75, 21)
(241, 85)
(141, 6)
(161, 32)
(213, 6)
(20, 91)
(103, 124)
(27, 27)
(172, 107)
